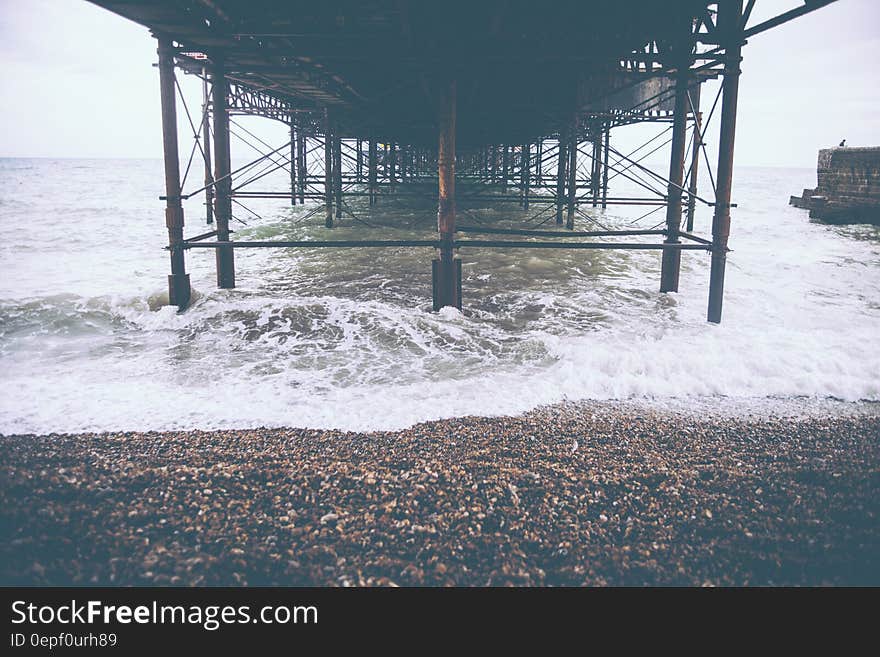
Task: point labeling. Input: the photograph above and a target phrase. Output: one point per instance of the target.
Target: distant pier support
(392, 163)
(539, 162)
(301, 164)
(560, 179)
(372, 166)
(596, 169)
(225, 256)
(730, 27)
(446, 268)
(572, 173)
(206, 149)
(525, 175)
(328, 171)
(606, 148)
(671, 264)
(337, 173)
(402, 156)
(293, 161)
(696, 144)
(178, 280)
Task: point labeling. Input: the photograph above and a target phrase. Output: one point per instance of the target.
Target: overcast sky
(78, 81)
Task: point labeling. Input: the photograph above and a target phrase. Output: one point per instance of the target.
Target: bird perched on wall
(842, 143)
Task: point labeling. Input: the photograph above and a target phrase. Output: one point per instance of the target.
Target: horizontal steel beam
(305, 244)
(625, 246)
(310, 244)
(555, 233)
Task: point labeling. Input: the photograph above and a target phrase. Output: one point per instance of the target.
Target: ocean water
(346, 338)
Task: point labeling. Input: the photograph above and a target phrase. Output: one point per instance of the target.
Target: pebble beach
(573, 494)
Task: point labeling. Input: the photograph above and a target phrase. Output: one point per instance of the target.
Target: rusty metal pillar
(446, 268)
(525, 174)
(596, 169)
(206, 149)
(696, 143)
(539, 163)
(392, 163)
(225, 256)
(505, 166)
(560, 178)
(301, 164)
(572, 173)
(293, 158)
(359, 165)
(606, 148)
(671, 256)
(328, 171)
(178, 280)
(372, 164)
(337, 173)
(401, 163)
(730, 27)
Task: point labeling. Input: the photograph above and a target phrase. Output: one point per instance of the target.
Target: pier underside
(513, 100)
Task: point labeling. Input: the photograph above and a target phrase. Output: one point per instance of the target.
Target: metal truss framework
(561, 173)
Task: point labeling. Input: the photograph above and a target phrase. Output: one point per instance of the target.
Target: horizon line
(159, 158)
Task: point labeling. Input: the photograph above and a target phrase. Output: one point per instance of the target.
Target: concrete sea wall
(848, 189)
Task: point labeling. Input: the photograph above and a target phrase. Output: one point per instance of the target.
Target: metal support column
(328, 171)
(696, 143)
(337, 173)
(178, 281)
(539, 162)
(392, 163)
(607, 147)
(446, 269)
(206, 149)
(301, 164)
(293, 159)
(560, 179)
(672, 256)
(596, 175)
(525, 174)
(730, 27)
(572, 173)
(402, 155)
(225, 256)
(372, 164)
